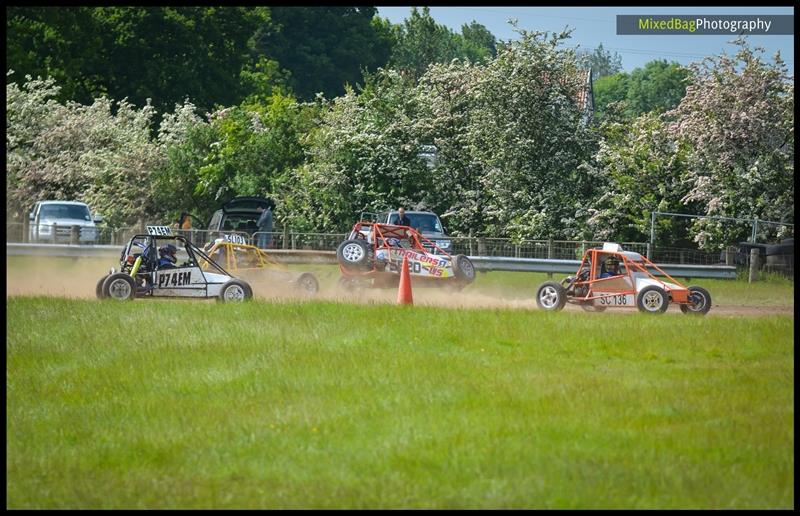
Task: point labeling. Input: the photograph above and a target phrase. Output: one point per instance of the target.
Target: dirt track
(77, 279)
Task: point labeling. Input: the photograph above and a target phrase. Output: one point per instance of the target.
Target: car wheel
(699, 301)
(307, 284)
(551, 296)
(652, 300)
(353, 254)
(463, 269)
(98, 290)
(348, 284)
(235, 291)
(119, 286)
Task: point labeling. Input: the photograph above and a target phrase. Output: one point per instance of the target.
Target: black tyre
(353, 254)
(307, 284)
(235, 291)
(119, 286)
(349, 284)
(551, 296)
(652, 300)
(463, 269)
(98, 290)
(699, 301)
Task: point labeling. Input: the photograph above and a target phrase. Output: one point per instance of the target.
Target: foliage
(420, 42)
(531, 137)
(101, 153)
(602, 62)
(324, 48)
(738, 116)
(640, 169)
(659, 86)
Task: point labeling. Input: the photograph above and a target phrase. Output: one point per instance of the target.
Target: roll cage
(587, 285)
(382, 236)
(149, 254)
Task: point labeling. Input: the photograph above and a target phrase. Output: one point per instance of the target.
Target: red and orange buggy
(611, 277)
(373, 255)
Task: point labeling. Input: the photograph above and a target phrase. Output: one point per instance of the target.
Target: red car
(373, 254)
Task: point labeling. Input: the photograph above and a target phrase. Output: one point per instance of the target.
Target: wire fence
(778, 259)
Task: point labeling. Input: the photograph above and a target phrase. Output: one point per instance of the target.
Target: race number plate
(159, 230)
(234, 239)
(614, 300)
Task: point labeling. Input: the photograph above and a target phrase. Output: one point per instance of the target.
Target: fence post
(53, 230)
(729, 255)
(583, 247)
(649, 252)
(294, 240)
(285, 237)
(481, 246)
(550, 254)
(26, 224)
(74, 235)
(754, 259)
(471, 246)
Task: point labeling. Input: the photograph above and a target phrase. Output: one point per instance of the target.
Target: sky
(595, 25)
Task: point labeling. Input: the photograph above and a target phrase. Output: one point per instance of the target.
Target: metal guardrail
(494, 263)
(482, 263)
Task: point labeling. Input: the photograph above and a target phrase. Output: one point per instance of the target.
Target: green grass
(158, 404)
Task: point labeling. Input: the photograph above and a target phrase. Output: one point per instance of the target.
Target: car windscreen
(247, 223)
(422, 222)
(65, 211)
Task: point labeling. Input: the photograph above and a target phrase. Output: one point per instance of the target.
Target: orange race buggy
(611, 277)
(373, 255)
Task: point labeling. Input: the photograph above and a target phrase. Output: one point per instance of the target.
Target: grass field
(157, 404)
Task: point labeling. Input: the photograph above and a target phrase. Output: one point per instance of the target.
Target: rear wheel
(592, 308)
(349, 284)
(235, 291)
(699, 301)
(652, 300)
(353, 254)
(119, 286)
(551, 296)
(98, 290)
(307, 284)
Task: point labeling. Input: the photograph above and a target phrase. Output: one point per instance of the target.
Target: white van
(64, 214)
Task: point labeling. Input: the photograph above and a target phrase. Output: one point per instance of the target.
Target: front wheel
(551, 296)
(235, 291)
(119, 286)
(652, 300)
(699, 301)
(463, 269)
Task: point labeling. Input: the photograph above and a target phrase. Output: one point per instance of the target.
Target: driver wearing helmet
(610, 268)
(166, 256)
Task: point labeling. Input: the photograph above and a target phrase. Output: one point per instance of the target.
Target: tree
(658, 86)
(101, 153)
(160, 53)
(420, 42)
(738, 116)
(324, 48)
(601, 61)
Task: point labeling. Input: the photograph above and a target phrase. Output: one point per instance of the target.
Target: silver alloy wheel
(548, 297)
(119, 289)
(653, 301)
(234, 293)
(353, 253)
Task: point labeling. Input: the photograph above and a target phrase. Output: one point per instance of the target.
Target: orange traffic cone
(404, 291)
